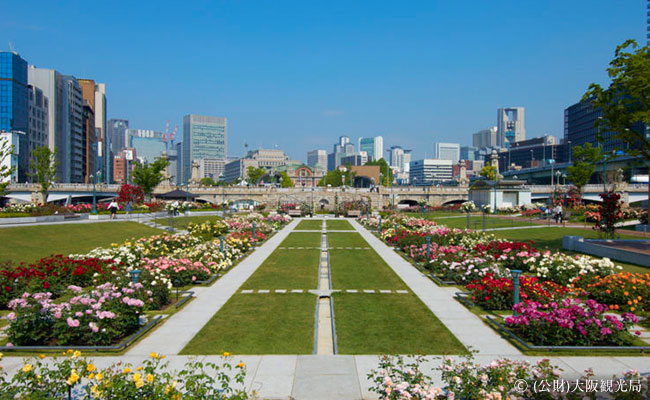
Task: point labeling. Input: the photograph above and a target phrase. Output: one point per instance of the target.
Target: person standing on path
(113, 207)
(558, 213)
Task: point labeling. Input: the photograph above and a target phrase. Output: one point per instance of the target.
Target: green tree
(333, 178)
(44, 165)
(6, 150)
(208, 181)
(286, 182)
(150, 175)
(626, 102)
(384, 169)
(255, 174)
(584, 164)
(489, 172)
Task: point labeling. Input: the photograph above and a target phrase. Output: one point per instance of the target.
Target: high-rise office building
(65, 117)
(149, 144)
(399, 159)
(341, 149)
(203, 137)
(374, 147)
(468, 153)
(511, 125)
(447, 151)
(428, 171)
(38, 119)
(317, 159)
(94, 94)
(485, 138)
(117, 132)
(14, 106)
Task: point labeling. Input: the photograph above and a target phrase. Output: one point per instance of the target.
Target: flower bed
(494, 293)
(73, 376)
(400, 378)
(623, 291)
(571, 323)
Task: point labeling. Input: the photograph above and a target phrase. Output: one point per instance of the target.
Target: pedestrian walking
(558, 213)
(113, 207)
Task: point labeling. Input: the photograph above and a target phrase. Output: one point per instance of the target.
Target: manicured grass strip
(550, 238)
(31, 243)
(310, 225)
(339, 225)
(362, 269)
(390, 324)
(302, 239)
(179, 222)
(476, 222)
(259, 324)
(344, 239)
(286, 269)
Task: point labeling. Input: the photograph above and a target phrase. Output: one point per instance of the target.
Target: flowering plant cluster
(512, 255)
(73, 376)
(284, 208)
(563, 269)
(130, 193)
(571, 323)
(98, 317)
(494, 293)
(175, 207)
(623, 291)
(468, 207)
(53, 274)
(180, 272)
(208, 230)
(400, 378)
(610, 213)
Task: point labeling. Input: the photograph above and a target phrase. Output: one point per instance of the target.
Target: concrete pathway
(181, 327)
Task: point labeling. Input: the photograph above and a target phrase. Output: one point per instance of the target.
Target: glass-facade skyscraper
(203, 137)
(14, 107)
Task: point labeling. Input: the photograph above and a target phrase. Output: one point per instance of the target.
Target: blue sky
(298, 74)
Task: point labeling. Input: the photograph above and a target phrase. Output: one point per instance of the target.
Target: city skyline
(298, 102)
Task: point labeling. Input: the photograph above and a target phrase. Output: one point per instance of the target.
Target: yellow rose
(226, 354)
(139, 368)
(153, 355)
(241, 365)
(73, 378)
(76, 354)
(90, 367)
(138, 384)
(137, 376)
(99, 376)
(27, 368)
(42, 356)
(127, 370)
(149, 378)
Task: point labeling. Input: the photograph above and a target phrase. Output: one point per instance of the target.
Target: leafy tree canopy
(255, 174)
(286, 181)
(6, 150)
(584, 164)
(44, 164)
(150, 175)
(489, 172)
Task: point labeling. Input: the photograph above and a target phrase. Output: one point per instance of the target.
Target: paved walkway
(333, 377)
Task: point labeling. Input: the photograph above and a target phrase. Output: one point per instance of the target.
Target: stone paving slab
(181, 327)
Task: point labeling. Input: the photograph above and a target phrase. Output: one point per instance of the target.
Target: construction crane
(168, 138)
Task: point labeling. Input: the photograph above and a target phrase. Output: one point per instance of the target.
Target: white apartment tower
(511, 125)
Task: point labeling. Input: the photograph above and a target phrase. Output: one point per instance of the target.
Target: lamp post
(428, 247)
(495, 194)
(563, 179)
(569, 143)
(552, 162)
(94, 179)
(135, 274)
(515, 284)
(558, 174)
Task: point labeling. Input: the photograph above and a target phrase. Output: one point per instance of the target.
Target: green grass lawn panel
(179, 222)
(362, 269)
(345, 239)
(259, 324)
(302, 239)
(286, 269)
(476, 222)
(339, 225)
(31, 243)
(310, 225)
(390, 324)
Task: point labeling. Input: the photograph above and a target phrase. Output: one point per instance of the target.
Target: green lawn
(390, 324)
(362, 269)
(476, 222)
(339, 225)
(434, 214)
(259, 324)
(551, 237)
(286, 269)
(344, 239)
(310, 225)
(30, 243)
(179, 222)
(302, 239)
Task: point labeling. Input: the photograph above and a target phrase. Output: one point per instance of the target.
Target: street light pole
(94, 210)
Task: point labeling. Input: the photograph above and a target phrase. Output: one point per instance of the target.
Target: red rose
(46, 285)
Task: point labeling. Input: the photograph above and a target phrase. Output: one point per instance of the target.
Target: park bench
(354, 213)
(295, 213)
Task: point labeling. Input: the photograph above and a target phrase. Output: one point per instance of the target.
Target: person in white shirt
(113, 207)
